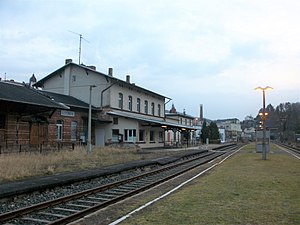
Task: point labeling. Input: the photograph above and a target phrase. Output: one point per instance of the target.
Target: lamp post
(89, 142)
(263, 117)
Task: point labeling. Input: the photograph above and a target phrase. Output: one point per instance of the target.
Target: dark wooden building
(31, 119)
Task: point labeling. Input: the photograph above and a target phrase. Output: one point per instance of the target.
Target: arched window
(152, 108)
(130, 103)
(146, 107)
(120, 100)
(138, 105)
(158, 109)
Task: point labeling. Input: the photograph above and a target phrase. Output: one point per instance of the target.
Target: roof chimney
(67, 61)
(128, 78)
(110, 71)
(201, 112)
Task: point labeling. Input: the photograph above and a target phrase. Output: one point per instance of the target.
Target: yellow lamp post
(263, 117)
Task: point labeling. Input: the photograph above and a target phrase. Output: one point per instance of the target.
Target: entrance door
(38, 134)
(99, 137)
(130, 135)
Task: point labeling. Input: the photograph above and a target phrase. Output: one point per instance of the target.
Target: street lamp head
(258, 88)
(264, 89)
(268, 88)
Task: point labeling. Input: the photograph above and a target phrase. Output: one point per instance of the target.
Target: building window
(59, 130)
(146, 107)
(152, 108)
(141, 135)
(158, 109)
(151, 136)
(2, 121)
(130, 135)
(115, 120)
(115, 135)
(138, 105)
(130, 103)
(161, 136)
(73, 131)
(120, 100)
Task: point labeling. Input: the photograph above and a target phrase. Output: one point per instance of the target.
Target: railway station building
(122, 112)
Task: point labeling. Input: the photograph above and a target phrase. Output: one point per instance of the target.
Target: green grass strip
(242, 190)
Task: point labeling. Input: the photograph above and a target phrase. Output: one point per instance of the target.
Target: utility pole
(89, 142)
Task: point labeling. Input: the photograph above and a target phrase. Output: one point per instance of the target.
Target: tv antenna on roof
(80, 37)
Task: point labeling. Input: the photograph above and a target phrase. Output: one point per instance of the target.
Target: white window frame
(59, 130)
(130, 135)
(138, 105)
(120, 100)
(146, 107)
(130, 103)
(74, 125)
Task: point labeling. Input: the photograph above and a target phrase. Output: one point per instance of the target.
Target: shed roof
(19, 93)
(67, 100)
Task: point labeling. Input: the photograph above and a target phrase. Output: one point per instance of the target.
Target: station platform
(45, 182)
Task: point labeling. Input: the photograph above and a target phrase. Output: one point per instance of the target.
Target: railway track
(68, 208)
(288, 147)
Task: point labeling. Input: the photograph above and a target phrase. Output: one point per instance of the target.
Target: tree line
(283, 121)
(211, 132)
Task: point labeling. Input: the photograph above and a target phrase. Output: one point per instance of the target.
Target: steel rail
(19, 212)
(292, 148)
(99, 206)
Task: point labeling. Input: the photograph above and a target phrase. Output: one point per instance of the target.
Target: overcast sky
(194, 51)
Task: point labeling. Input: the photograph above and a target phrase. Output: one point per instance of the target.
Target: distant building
(248, 134)
(184, 135)
(222, 135)
(232, 127)
(248, 127)
(248, 122)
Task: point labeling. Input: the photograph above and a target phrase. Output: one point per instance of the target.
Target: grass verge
(23, 165)
(242, 190)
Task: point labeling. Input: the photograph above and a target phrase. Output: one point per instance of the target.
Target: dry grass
(19, 166)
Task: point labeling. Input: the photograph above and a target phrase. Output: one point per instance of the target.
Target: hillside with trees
(283, 121)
